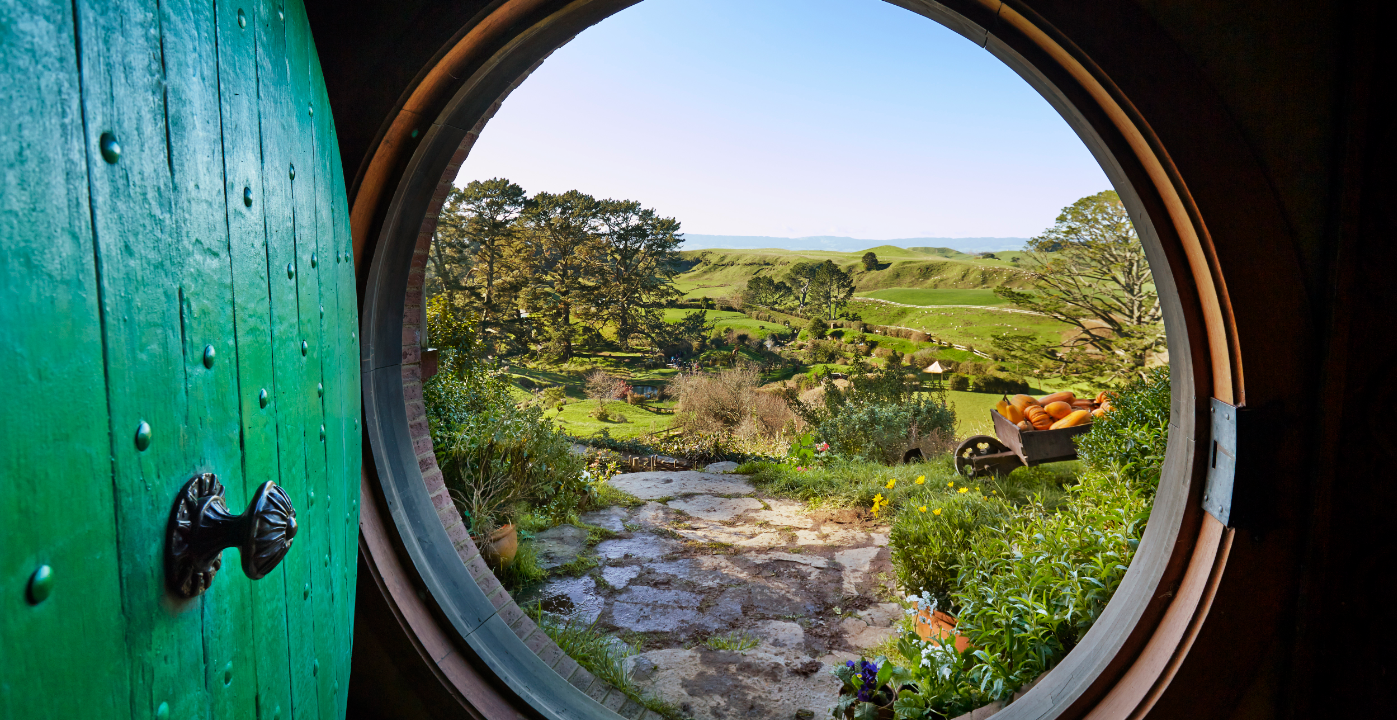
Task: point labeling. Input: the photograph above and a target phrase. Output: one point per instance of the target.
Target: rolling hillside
(718, 273)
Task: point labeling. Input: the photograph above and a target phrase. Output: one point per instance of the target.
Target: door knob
(201, 528)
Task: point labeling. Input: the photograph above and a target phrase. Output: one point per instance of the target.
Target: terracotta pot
(498, 551)
(937, 627)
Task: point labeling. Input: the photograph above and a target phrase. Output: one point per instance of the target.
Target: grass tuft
(602, 655)
(733, 642)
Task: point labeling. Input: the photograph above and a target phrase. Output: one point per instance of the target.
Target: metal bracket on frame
(1222, 463)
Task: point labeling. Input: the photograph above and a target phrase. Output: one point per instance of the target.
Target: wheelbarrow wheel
(985, 455)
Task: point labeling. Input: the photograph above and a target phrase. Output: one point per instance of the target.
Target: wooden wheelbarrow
(982, 455)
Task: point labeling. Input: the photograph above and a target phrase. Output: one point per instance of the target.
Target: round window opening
(637, 479)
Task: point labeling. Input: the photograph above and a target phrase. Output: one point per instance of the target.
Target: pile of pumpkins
(1052, 412)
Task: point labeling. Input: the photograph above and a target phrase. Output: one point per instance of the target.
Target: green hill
(720, 272)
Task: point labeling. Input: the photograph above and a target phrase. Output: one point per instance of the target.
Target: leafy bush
(555, 396)
(996, 383)
(1030, 587)
(929, 546)
(879, 431)
(959, 382)
(825, 351)
(874, 416)
(493, 453)
(923, 359)
(1131, 439)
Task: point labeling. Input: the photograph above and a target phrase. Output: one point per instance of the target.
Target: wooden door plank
(253, 221)
(123, 90)
(212, 420)
(56, 464)
(305, 609)
(275, 107)
(333, 220)
(336, 489)
(303, 199)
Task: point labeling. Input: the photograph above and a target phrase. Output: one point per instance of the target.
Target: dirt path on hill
(709, 563)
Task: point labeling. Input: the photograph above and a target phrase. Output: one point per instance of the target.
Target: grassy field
(934, 296)
(718, 273)
(575, 418)
(727, 319)
(962, 326)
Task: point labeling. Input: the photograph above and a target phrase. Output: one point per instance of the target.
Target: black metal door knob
(201, 528)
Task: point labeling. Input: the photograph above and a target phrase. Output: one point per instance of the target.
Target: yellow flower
(963, 490)
(921, 479)
(937, 511)
(950, 484)
(922, 508)
(877, 498)
(891, 483)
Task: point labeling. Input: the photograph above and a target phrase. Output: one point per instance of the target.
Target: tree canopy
(542, 273)
(1089, 271)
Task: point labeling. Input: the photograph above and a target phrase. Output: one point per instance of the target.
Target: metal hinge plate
(1222, 465)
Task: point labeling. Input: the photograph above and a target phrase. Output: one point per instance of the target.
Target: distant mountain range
(847, 244)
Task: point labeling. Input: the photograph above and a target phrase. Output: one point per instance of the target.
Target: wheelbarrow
(982, 455)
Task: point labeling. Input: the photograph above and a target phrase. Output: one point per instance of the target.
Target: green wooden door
(177, 297)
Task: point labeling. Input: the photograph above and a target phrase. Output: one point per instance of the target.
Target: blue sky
(791, 118)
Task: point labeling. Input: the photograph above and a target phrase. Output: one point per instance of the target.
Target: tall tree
(1089, 271)
(561, 241)
(764, 292)
(635, 271)
(799, 278)
(830, 289)
(491, 208)
(870, 261)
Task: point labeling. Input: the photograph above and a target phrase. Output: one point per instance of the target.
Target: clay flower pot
(499, 549)
(938, 627)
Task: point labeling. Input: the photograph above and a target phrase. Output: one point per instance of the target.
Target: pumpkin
(1065, 396)
(1014, 415)
(1041, 420)
(1023, 401)
(1058, 410)
(1077, 417)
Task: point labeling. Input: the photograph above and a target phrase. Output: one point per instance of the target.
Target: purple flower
(869, 676)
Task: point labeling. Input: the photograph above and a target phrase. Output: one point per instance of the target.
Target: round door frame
(1126, 664)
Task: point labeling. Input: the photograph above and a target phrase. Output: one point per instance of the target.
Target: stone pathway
(709, 563)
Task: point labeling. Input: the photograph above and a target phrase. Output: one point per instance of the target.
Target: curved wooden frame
(1125, 664)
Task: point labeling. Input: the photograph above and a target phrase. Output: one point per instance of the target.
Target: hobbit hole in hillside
(722, 479)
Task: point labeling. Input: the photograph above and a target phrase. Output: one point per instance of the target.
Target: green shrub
(878, 432)
(1030, 592)
(996, 383)
(493, 453)
(1131, 439)
(960, 382)
(929, 546)
(1031, 587)
(555, 396)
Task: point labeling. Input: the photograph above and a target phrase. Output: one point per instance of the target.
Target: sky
(791, 118)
